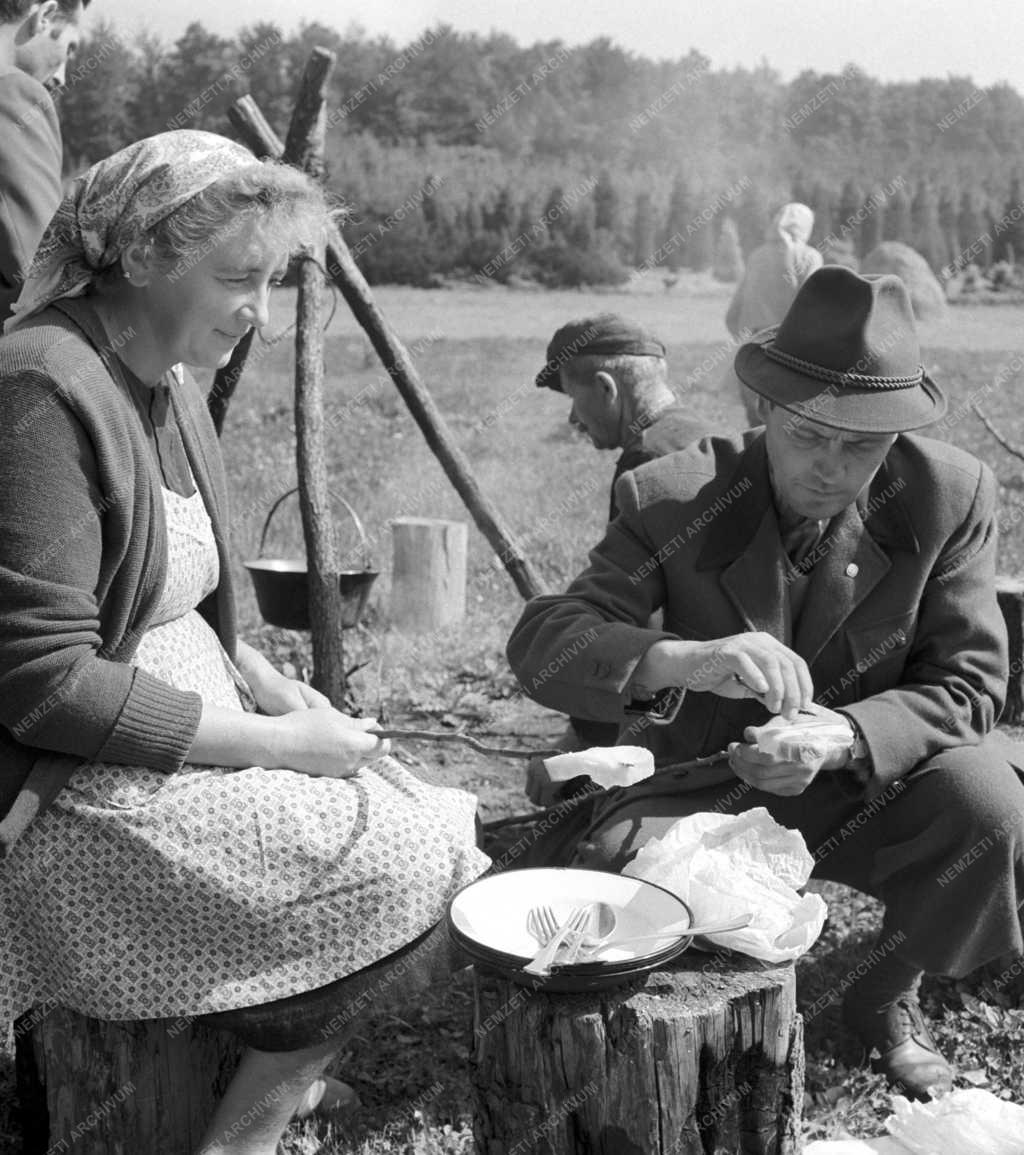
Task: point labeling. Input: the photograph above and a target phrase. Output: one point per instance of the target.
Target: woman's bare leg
(261, 1099)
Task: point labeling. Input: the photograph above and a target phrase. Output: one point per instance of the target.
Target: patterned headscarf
(117, 201)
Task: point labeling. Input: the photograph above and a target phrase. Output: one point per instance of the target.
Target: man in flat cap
(831, 559)
(616, 375)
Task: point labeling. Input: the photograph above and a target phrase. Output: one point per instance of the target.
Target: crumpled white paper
(731, 864)
(606, 765)
(961, 1121)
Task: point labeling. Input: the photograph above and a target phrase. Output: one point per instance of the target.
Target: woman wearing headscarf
(774, 272)
(185, 831)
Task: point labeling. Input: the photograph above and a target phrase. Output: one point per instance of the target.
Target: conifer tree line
(465, 155)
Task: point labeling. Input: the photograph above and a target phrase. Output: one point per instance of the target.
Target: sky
(888, 39)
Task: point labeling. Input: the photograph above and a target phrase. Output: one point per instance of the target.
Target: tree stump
(119, 1088)
(1010, 593)
(706, 1056)
(428, 576)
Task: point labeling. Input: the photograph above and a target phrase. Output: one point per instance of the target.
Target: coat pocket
(882, 646)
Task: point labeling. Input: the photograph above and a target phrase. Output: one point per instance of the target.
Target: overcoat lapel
(744, 545)
(852, 564)
(755, 582)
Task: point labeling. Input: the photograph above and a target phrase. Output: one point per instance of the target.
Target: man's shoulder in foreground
(25, 105)
(685, 472)
(937, 466)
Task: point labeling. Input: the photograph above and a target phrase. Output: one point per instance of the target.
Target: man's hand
(768, 773)
(793, 767)
(750, 665)
(540, 790)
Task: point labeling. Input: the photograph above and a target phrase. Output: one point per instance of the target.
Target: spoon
(603, 919)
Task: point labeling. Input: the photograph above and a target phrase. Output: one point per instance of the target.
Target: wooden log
(706, 1056)
(99, 1088)
(428, 573)
(326, 610)
(1010, 594)
(305, 150)
(341, 267)
(304, 145)
(226, 380)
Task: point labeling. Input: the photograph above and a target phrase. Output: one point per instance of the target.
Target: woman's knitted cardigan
(83, 556)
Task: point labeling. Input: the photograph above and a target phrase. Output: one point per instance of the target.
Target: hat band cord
(835, 377)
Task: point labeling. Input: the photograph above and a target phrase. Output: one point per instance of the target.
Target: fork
(544, 921)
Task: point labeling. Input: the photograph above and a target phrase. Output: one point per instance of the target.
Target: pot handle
(337, 497)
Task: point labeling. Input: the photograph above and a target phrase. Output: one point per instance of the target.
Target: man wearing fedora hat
(833, 559)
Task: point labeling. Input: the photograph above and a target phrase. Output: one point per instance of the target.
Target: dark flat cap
(607, 335)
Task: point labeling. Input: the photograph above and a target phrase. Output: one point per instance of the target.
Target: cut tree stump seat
(118, 1088)
(704, 1056)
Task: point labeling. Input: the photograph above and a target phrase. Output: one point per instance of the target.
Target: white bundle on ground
(732, 864)
(968, 1122)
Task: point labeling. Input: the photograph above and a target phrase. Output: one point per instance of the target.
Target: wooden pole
(304, 145)
(304, 150)
(341, 267)
(226, 380)
(325, 604)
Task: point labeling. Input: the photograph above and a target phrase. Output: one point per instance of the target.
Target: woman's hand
(281, 695)
(274, 693)
(326, 743)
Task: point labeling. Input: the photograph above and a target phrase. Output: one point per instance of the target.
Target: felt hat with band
(845, 355)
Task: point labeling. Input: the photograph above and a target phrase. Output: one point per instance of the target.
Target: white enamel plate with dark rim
(487, 919)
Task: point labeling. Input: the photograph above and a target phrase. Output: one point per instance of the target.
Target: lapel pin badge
(852, 569)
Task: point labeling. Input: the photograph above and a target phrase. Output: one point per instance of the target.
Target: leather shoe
(901, 1047)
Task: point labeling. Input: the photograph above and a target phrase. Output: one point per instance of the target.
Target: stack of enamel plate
(489, 920)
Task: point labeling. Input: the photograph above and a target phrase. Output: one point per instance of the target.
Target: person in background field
(36, 42)
(775, 270)
(832, 559)
(616, 375)
(184, 831)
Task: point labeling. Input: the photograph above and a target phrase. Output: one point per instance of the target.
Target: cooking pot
(282, 584)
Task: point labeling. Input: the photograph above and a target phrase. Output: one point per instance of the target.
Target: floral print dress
(145, 895)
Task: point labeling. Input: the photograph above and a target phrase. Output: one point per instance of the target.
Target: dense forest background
(463, 155)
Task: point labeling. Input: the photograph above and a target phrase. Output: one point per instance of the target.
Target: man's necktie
(799, 541)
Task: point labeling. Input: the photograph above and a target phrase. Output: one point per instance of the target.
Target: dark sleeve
(59, 691)
(576, 652)
(954, 681)
(30, 168)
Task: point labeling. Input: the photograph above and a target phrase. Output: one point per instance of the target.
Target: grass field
(478, 351)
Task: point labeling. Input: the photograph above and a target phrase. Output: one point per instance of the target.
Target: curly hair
(266, 195)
